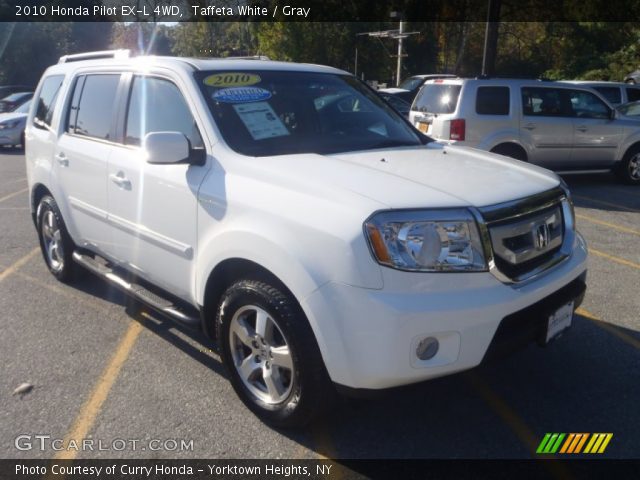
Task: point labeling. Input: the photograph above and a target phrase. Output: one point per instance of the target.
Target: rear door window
(492, 101)
(92, 116)
(437, 98)
(47, 100)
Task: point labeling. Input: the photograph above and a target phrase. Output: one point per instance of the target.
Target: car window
(411, 83)
(437, 98)
(492, 101)
(612, 94)
(156, 105)
(631, 109)
(47, 100)
(587, 105)
(262, 113)
(633, 94)
(546, 102)
(92, 115)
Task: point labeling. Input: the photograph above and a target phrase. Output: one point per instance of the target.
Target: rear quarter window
(492, 101)
(437, 98)
(46, 101)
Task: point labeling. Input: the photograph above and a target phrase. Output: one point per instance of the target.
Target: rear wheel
(271, 354)
(629, 168)
(55, 242)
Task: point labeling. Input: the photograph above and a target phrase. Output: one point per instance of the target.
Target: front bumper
(368, 337)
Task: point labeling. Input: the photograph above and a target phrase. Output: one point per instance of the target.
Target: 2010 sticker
(241, 94)
(232, 79)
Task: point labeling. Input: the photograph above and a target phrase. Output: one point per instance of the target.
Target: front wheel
(55, 242)
(629, 169)
(270, 351)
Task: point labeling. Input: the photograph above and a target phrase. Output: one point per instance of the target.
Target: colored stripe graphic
(574, 443)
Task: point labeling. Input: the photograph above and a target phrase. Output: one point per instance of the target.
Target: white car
(289, 211)
(12, 125)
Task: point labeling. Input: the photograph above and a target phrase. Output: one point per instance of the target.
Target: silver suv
(564, 127)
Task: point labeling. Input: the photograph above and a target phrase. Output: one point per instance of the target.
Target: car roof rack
(76, 57)
(248, 57)
(511, 77)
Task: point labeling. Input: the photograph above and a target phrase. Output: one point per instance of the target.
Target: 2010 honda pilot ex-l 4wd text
(292, 214)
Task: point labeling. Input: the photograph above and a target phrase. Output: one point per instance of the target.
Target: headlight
(9, 124)
(426, 240)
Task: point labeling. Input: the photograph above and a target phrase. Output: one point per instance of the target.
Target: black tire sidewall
(47, 203)
(310, 380)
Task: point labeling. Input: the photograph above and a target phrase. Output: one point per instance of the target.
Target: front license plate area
(559, 321)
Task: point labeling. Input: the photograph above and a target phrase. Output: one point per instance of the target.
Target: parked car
(12, 125)
(616, 93)
(633, 77)
(13, 101)
(6, 90)
(629, 110)
(560, 126)
(410, 87)
(398, 103)
(288, 211)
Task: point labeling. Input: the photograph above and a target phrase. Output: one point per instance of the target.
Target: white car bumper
(368, 338)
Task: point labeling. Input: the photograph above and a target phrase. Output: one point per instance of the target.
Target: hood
(435, 175)
(393, 90)
(12, 116)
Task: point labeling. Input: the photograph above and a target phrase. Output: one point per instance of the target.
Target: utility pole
(399, 35)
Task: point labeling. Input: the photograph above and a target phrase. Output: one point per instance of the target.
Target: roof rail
(76, 57)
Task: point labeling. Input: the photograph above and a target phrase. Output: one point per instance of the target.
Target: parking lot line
(612, 329)
(619, 260)
(11, 195)
(15, 266)
(607, 224)
(608, 204)
(91, 408)
(513, 420)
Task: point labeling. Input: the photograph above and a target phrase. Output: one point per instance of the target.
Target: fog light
(427, 348)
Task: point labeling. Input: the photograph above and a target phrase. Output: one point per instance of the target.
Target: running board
(180, 314)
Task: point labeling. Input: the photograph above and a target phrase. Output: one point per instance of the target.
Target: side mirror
(166, 147)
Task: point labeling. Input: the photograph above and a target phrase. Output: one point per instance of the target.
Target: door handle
(530, 126)
(62, 159)
(120, 180)
(582, 128)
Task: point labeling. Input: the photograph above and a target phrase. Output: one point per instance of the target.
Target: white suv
(562, 126)
(287, 210)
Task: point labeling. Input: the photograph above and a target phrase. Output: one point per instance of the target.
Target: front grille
(528, 234)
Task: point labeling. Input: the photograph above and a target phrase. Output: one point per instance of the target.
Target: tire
(628, 171)
(511, 151)
(280, 352)
(55, 243)
(22, 140)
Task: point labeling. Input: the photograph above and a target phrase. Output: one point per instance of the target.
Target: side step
(185, 315)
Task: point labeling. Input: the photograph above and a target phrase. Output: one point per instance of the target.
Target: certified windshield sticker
(261, 121)
(232, 79)
(241, 94)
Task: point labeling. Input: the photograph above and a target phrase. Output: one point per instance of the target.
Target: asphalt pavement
(105, 371)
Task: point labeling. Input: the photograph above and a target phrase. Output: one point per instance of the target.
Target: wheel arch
(510, 144)
(37, 192)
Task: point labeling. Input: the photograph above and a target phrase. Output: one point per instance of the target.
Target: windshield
(411, 83)
(437, 98)
(24, 108)
(262, 113)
